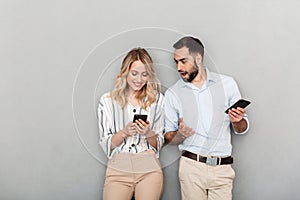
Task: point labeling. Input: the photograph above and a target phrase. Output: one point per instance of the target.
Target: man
(195, 119)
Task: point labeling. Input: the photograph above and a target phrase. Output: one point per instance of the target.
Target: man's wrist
(181, 136)
(240, 126)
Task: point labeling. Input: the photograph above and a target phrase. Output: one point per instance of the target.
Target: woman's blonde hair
(147, 95)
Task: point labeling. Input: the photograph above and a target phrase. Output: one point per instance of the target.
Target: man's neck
(199, 80)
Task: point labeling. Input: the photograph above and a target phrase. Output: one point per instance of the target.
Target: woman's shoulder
(106, 96)
(160, 97)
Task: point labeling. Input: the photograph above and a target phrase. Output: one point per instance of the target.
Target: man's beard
(192, 74)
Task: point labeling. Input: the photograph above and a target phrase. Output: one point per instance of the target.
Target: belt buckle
(212, 161)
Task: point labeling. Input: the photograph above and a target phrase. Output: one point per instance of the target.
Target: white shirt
(203, 109)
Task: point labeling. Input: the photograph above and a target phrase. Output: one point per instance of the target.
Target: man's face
(186, 64)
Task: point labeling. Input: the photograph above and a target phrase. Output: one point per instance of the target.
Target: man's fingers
(236, 115)
(186, 131)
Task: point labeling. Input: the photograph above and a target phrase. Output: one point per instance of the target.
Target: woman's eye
(145, 74)
(133, 73)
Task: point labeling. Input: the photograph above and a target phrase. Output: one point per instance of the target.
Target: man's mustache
(182, 72)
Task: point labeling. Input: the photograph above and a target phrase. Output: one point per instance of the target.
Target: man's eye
(183, 61)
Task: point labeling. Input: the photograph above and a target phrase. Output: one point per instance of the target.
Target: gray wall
(57, 57)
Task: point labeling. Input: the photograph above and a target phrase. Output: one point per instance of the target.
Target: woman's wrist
(150, 134)
(152, 138)
(123, 133)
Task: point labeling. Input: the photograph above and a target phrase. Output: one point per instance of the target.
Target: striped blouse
(112, 118)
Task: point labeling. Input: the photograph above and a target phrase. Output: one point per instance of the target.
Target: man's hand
(184, 130)
(236, 116)
(176, 137)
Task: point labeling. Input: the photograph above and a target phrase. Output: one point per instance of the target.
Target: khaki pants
(129, 173)
(200, 181)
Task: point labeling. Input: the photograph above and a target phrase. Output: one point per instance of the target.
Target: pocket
(232, 172)
(226, 172)
(107, 176)
(181, 168)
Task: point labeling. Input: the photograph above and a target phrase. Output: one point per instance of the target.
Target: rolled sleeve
(105, 123)
(248, 125)
(171, 111)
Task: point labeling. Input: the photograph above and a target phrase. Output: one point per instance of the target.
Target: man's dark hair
(193, 44)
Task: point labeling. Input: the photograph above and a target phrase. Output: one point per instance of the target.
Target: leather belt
(209, 160)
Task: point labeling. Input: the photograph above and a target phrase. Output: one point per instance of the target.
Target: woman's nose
(139, 78)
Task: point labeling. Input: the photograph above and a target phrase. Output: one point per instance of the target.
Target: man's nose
(179, 66)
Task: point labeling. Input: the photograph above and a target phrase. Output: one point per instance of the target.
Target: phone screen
(140, 116)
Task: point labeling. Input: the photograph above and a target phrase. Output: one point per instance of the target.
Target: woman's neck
(131, 98)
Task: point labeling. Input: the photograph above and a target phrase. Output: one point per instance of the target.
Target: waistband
(210, 160)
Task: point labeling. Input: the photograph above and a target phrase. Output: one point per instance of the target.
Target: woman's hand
(142, 127)
(130, 129)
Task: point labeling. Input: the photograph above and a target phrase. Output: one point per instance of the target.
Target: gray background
(57, 57)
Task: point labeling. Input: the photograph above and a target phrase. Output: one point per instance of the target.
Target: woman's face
(137, 76)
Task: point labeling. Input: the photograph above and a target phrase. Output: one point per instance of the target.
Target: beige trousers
(129, 173)
(200, 181)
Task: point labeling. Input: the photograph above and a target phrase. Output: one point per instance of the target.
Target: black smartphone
(240, 103)
(139, 116)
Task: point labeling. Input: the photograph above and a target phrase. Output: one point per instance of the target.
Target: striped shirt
(112, 118)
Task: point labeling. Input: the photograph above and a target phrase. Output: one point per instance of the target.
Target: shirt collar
(211, 78)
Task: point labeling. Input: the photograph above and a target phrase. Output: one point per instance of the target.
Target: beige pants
(129, 173)
(200, 181)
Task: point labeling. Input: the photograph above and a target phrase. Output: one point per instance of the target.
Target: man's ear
(199, 59)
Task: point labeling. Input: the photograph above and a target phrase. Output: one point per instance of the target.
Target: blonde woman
(133, 146)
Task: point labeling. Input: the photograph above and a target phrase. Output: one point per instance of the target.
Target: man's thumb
(180, 120)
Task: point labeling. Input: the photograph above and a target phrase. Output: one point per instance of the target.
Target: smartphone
(139, 116)
(240, 103)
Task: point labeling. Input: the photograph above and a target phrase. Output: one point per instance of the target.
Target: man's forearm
(173, 137)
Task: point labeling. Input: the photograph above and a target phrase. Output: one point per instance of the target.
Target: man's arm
(173, 137)
(239, 124)
(177, 137)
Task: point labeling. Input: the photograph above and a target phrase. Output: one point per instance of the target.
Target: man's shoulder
(176, 86)
(220, 76)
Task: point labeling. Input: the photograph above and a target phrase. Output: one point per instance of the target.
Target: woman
(132, 146)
